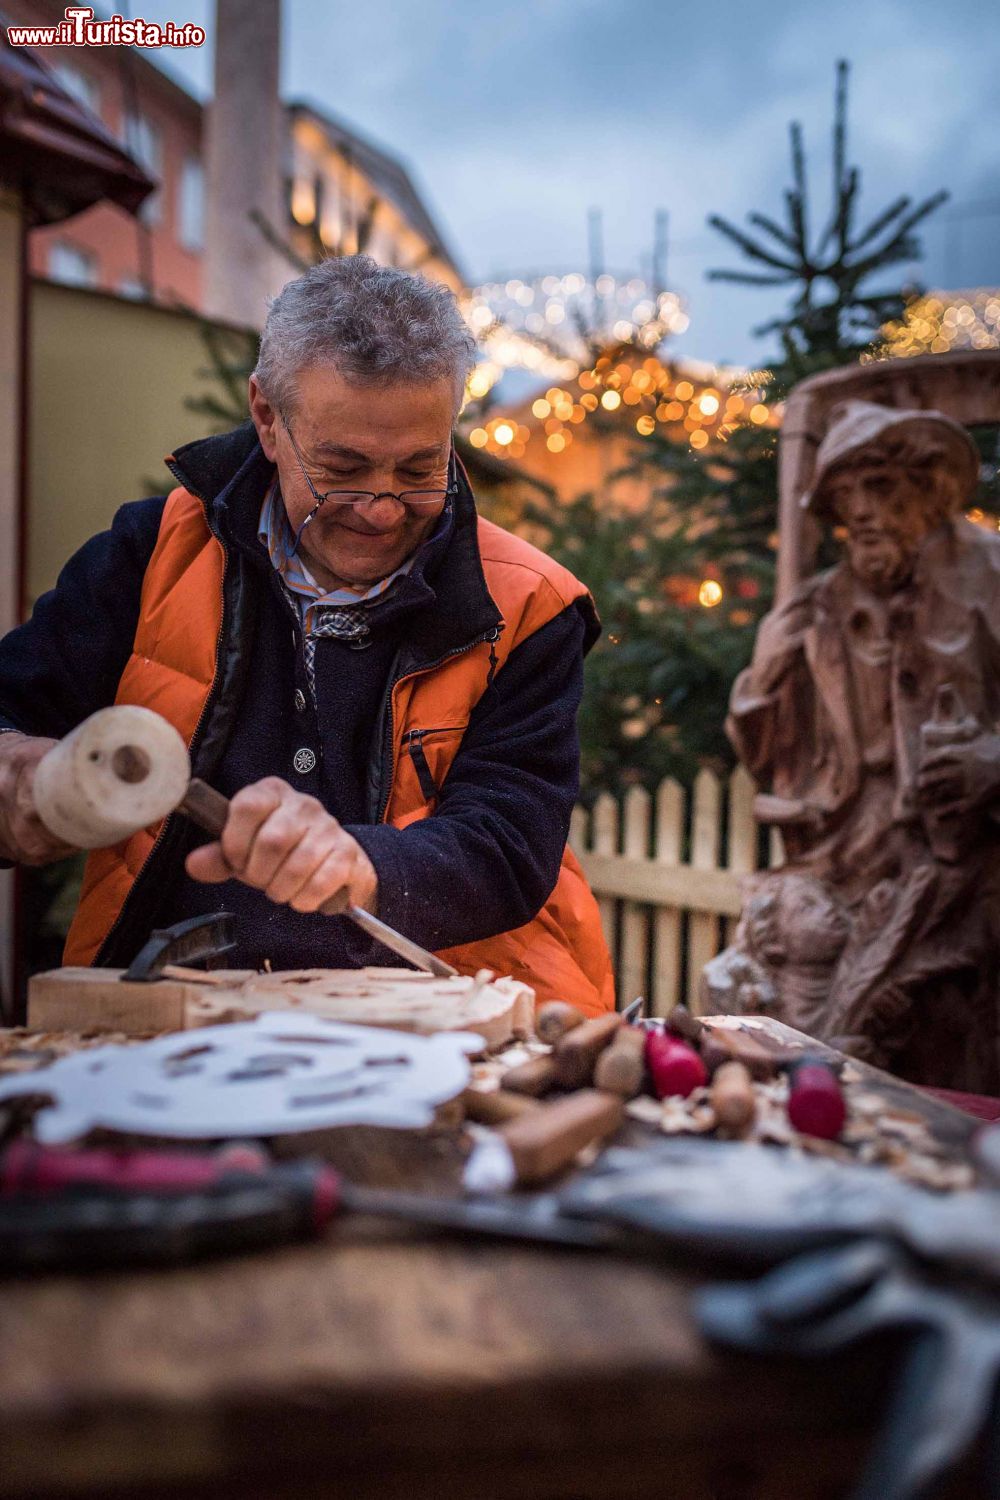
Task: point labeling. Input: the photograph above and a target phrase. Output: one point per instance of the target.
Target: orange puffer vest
(561, 952)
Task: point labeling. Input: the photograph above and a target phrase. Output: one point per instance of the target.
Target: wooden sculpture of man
(871, 713)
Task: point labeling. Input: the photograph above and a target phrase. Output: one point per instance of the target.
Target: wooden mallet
(126, 768)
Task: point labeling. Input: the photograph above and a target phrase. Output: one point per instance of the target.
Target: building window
(303, 202)
(144, 141)
(80, 86)
(132, 287)
(71, 265)
(191, 205)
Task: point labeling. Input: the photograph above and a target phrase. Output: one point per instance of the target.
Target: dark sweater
(487, 859)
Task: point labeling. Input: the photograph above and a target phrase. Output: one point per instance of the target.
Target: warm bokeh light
(709, 593)
(303, 201)
(693, 404)
(941, 322)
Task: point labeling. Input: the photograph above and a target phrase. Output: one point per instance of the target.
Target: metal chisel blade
(411, 951)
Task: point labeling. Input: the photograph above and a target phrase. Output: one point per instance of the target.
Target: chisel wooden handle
(554, 1019)
(577, 1052)
(497, 1106)
(732, 1098)
(210, 809)
(548, 1137)
(722, 1044)
(536, 1076)
(621, 1067)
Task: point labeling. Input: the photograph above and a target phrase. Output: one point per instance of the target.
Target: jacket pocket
(413, 741)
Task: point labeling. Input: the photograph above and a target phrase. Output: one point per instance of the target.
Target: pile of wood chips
(878, 1132)
(25, 1051)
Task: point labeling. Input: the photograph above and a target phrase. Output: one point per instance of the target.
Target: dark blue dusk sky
(517, 117)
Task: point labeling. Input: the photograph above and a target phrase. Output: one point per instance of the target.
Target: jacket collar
(230, 474)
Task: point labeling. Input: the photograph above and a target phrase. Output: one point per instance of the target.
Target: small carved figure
(871, 711)
(790, 937)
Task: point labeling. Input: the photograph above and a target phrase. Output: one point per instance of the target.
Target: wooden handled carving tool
(209, 809)
(542, 1141)
(124, 769)
(78, 1210)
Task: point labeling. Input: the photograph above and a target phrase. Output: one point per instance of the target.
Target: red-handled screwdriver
(77, 1210)
(27, 1167)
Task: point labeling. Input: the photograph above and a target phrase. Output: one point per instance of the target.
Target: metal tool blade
(535, 1217)
(407, 949)
(193, 941)
(209, 809)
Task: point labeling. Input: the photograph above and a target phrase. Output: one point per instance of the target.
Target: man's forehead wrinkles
(338, 450)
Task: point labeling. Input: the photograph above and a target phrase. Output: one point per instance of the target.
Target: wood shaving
(24, 1051)
(877, 1133)
(644, 1109)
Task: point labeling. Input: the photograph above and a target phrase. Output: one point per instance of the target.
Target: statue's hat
(855, 425)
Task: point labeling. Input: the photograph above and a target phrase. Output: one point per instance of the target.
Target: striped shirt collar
(276, 534)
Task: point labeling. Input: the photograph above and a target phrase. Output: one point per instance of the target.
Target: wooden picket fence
(665, 870)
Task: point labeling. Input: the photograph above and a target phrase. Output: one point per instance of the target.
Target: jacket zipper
(489, 635)
(421, 734)
(168, 821)
(413, 740)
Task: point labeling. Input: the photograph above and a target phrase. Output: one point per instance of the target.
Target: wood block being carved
(83, 999)
(498, 1009)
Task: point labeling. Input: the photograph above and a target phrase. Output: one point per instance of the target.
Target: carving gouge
(74, 1209)
(209, 809)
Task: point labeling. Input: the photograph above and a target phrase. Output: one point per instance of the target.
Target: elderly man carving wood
(384, 684)
(871, 711)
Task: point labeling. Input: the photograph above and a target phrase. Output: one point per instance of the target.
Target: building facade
(342, 193)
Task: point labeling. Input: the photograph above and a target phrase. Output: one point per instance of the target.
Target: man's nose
(859, 505)
(382, 514)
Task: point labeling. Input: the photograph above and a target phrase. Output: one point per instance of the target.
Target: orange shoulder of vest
(498, 546)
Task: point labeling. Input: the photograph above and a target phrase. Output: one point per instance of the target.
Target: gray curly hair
(373, 324)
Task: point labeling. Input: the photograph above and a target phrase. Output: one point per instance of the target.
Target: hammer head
(122, 769)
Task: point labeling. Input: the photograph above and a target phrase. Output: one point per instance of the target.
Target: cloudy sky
(518, 116)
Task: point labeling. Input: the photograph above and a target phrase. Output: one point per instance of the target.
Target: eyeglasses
(417, 500)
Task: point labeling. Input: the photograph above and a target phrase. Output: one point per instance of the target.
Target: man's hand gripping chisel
(124, 769)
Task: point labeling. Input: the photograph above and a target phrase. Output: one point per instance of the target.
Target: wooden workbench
(385, 1363)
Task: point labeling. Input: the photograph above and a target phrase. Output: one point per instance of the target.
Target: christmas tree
(682, 587)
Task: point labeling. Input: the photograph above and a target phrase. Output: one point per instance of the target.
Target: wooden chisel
(210, 809)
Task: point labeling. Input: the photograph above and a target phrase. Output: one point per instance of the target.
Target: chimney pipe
(244, 160)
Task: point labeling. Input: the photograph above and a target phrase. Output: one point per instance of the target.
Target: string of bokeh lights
(943, 323)
(597, 340)
(601, 343)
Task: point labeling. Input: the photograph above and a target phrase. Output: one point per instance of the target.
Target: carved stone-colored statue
(871, 714)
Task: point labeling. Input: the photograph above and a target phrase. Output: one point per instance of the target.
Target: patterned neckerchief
(342, 612)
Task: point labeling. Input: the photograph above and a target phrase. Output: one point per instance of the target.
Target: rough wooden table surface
(386, 1363)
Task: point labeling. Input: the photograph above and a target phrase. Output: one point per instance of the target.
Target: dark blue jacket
(488, 858)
